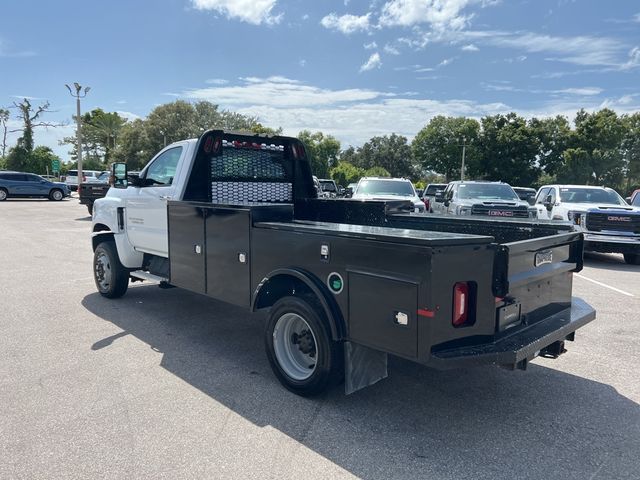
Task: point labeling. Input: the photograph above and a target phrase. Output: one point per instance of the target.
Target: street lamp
(78, 96)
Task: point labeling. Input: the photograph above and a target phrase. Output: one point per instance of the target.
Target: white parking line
(605, 285)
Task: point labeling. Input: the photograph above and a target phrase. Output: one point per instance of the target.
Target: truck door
(543, 213)
(146, 207)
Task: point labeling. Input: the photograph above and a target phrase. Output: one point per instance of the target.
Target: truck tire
(112, 279)
(56, 194)
(3, 194)
(301, 352)
(632, 258)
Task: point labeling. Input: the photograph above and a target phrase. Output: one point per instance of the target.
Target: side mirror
(531, 201)
(119, 175)
(348, 192)
(420, 194)
(547, 202)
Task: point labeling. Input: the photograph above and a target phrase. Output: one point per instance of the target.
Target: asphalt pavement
(170, 384)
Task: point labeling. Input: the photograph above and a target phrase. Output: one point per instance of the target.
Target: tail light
(463, 303)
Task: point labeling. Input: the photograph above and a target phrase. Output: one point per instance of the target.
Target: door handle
(165, 197)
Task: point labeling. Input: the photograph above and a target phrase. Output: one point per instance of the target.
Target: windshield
(328, 186)
(433, 188)
(487, 191)
(590, 195)
(385, 187)
(104, 176)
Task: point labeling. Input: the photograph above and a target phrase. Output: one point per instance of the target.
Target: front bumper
(515, 350)
(611, 243)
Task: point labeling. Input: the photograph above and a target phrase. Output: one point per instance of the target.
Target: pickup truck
(480, 198)
(609, 224)
(91, 191)
(344, 283)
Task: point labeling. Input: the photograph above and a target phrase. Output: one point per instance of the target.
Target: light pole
(78, 96)
(464, 146)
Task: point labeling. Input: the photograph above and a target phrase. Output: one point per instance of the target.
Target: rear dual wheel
(299, 346)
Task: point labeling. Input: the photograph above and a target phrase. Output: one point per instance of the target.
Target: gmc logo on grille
(611, 218)
(500, 213)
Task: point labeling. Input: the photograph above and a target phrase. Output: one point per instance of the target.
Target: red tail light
(460, 304)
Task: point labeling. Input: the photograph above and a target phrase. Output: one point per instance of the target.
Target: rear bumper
(611, 243)
(516, 350)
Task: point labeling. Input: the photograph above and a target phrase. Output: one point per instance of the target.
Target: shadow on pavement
(418, 423)
(606, 261)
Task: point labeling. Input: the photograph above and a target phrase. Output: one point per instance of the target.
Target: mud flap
(363, 366)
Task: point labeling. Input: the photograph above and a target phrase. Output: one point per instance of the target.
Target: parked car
(429, 194)
(525, 193)
(492, 199)
(610, 225)
(21, 184)
(382, 188)
(88, 176)
(329, 187)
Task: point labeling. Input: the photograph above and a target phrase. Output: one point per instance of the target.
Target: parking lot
(170, 384)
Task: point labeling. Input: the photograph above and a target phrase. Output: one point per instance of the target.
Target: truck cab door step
(143, 275)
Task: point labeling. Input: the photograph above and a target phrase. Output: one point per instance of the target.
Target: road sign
(55, 165)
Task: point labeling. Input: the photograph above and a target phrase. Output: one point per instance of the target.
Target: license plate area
(508, 316)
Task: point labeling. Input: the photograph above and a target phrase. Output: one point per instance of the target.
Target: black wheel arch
(285, 282)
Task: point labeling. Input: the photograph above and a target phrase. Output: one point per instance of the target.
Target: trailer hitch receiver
(554, 350)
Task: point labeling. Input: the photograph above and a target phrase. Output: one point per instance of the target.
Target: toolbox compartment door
(383, 313)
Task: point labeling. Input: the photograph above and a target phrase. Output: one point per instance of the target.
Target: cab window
(163, 168)
(542, 195)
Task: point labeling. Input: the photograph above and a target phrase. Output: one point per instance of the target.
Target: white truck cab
(141, 225)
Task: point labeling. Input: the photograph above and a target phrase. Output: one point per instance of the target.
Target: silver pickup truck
(488, 199)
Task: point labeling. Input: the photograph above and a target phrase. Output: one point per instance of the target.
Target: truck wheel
(90, 208)
(299, 346)
(3, 194)
(56, 195)
(112, 279)
(632, 258)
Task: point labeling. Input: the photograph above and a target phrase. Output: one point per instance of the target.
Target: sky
(352, 69)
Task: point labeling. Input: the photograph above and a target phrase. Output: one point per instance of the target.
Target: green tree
(438, 146)
(554, 137)
(4, 124)
(377, 171)
(392, 153)
(345, 173)
(631, 148)
(41, 159)
(322, 151)
(507, 150)
(133, 145)
(100, 131)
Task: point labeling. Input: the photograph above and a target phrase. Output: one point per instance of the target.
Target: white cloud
(373, 62)
(636, 17)
(216, 81)
(302, 62)
(445, 62)
(254, 12)
(391, 50)
(470, 48)
(128, 115)
(121, 102)
(584, 91)
(440, 14)
(346, 24)
(305, 16)
(370, 46)
(634, 59)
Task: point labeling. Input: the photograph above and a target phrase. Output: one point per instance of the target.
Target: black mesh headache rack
(238, 169)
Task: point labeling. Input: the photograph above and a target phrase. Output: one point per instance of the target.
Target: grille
(500, 211)
(250, 173)
(613, 221)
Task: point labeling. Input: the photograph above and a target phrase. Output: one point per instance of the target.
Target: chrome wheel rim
(103, 272)
(295, 346)
(57, 195)
(3, 195)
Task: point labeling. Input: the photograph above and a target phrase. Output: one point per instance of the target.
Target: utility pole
(464, 146)
(78, 96)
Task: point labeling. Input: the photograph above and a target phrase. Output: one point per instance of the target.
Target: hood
(362, 196)
(602, 207)
(497, 203)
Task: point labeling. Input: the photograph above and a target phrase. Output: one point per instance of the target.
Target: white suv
(382, 188)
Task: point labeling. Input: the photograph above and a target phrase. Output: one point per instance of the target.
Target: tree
(4, 120)
(345, 173)
(631, 148)
(31, 119)
(376, 171)
(438, 146)
(554, 137)
(100, 131)
(41, 159)
(599, 136)
(392, 153)
(508, 149)
(133, 145)
(322, 151)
